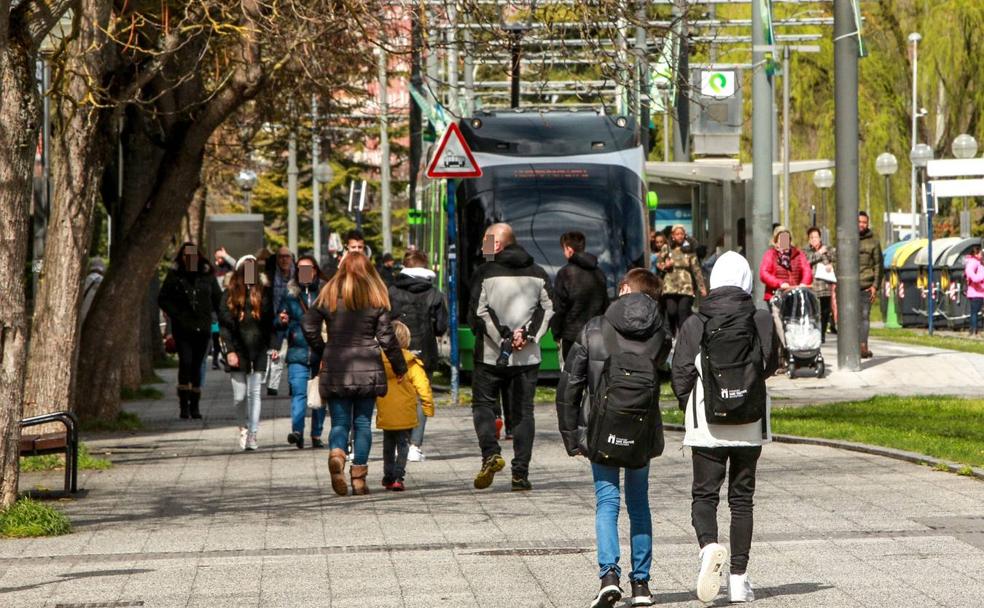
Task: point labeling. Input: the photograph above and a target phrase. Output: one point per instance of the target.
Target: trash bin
(905, 273)
(957, 307)
(940, 280)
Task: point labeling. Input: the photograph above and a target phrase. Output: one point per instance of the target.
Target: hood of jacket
(412, 282)
(732, 270)
(635, 316)
(294, 288)
(514, 256)
(727, 300)
(585, 260)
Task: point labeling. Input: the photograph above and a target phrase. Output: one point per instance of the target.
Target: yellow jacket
(397, 410)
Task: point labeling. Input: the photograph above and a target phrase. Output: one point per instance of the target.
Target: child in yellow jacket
(397, 410)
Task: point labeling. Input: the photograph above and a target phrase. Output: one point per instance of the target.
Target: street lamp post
(920, 156)
(323, 174)
(823, 179)
(246, 180)
(886, 165)
(964, 147)
(914, 39)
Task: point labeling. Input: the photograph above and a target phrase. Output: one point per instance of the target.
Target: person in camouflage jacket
(678, 261)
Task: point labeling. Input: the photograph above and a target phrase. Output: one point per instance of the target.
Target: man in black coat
(580, 291)
(418, 304)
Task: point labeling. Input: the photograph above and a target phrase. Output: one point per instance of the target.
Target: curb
(911, 457)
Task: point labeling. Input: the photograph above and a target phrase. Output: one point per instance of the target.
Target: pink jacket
(974, 273)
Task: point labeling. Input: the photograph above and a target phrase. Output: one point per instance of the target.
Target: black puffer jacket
(580, 293)
(249, 338)
(638, 322)
(352, 363)
(190, 298)
(417, 303)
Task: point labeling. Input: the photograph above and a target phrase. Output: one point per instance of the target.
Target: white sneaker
(415, 455)
(251, 441)
(740, 589)
(242, 437)
(712, 559)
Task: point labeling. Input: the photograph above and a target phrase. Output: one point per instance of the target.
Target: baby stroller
(800, 310)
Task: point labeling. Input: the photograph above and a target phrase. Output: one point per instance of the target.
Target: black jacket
(353, 366)
(248, 337)
(190, 298)
(417, 303)
(720, 301)
(638, 322)
(580, 293)
(509, 293)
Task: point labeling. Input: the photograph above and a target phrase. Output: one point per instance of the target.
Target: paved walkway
(184, 519)
(899, 369)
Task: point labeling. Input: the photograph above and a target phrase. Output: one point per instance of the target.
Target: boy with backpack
(723, 356)
(616, 356)
(397, 410)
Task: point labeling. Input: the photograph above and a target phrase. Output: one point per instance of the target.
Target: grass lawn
(949, 428)
(28, 518)
(50, 462)
(921, 338)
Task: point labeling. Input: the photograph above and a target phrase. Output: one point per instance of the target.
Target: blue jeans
(297, 377)
(607, 495)
(975, 312)
(350, 414)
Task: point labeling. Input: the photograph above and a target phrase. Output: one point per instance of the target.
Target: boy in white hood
(721, 450)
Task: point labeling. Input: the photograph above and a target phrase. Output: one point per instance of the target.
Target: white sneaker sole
(709, 577)
(607, 597)
(643, 601)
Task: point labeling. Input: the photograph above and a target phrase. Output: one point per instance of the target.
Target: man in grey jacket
(509, 313)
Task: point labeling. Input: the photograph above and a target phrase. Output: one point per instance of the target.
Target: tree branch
(38, 17)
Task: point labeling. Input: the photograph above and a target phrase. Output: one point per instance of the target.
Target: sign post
(930, 205)
(453, 160)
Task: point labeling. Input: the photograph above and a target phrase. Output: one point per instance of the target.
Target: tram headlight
(621, 121)
(476, 123)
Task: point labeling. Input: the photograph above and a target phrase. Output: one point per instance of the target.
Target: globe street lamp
(964, 147)
(824, 180)
(323, 174)
(919, 156)
(886, 165)
(246, 180)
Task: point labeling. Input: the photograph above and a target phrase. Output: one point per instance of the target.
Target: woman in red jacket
(783, 267)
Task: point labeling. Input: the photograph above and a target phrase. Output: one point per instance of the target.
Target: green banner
(771, 65)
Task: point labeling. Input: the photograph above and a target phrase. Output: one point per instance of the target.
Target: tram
(544, 173)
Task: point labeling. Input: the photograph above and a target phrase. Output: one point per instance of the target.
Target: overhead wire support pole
(761, 143)
(847, 191)
(315, 187)
(384, 152)
(785, 136)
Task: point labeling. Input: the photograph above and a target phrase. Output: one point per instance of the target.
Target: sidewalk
(899, 369)
(185, 519)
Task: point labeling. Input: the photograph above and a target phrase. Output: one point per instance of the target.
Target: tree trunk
(19, 119)
(80, 145)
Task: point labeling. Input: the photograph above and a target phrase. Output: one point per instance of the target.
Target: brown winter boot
(336, 466)
(865, 353)
(358, 473)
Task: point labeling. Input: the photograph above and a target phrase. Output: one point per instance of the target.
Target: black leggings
(711, 465)
(678, 309)
(192, 346)
(826, 316)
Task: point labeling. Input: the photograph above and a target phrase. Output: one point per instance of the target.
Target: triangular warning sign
(454, 158)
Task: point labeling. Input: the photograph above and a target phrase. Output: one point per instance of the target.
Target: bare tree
(22, 28)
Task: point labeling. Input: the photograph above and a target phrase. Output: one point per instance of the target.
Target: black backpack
(732, 370)
(625, 427)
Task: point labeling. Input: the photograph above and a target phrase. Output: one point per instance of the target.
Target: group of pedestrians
(364, 341)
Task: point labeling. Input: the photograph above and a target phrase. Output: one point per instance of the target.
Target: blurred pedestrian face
(356, 246)
(815, 240)
(784, 242)
(679, 235)
(306, 272)
(190, 254)
(862, 223)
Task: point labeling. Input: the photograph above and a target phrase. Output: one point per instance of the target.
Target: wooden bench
(66, 442)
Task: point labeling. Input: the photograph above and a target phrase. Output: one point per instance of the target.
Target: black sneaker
(641, 596)
(296, 439)
(271, 392)
(609, 594)
(317, 443)
(521, 484)
(492, 465)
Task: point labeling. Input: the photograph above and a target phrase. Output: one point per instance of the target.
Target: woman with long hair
(246, 324)
(353, 308)
(301, 293)
(189, 297)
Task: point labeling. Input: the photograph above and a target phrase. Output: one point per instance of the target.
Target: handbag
(314, 394)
